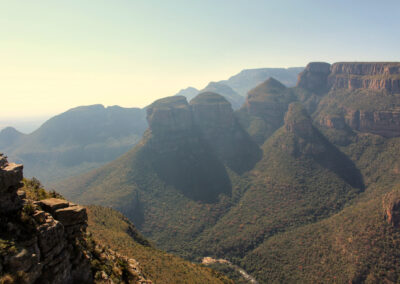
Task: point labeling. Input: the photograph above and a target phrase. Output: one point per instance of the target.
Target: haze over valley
(210, 142)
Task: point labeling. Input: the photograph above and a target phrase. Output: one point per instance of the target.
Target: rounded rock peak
(209, 98)
(268, 87)
(169, 102)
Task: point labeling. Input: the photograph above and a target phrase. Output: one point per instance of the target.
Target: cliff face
(179, 152)
(362, 96)
(214, 116)
(46, 246)
(264, 110)
(319, 76)
(45, 241)
(375, 76)
(314, 77)
(171, 114)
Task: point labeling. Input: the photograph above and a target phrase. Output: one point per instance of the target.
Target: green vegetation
(111, 228)
(75, 141)
(309, 211)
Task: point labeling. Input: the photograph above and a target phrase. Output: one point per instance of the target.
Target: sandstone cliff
(46, 242)
(360, 96)
(264, 109)
(319, 76)
(213, 114)
(179, 152)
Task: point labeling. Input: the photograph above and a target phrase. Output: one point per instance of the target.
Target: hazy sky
(55, 55)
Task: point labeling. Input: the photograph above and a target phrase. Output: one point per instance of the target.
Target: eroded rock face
(48, 253)
(179, 153)
(169, 114)
(384, 123)
(391, 206)
(319, 76)
(10, 180)
(374, 75)
(315, 77)
(73, 217)
(298, 121)
(268, 100)
(213, 114)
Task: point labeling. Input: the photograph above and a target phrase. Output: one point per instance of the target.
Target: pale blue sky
(59, 54)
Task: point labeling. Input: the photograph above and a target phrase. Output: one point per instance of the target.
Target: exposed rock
(265, 108)
(314, 77)
(213, 114)
(305, 138)
(179, 152)
(298, 121)
(384, 123)
(50, 245)
(391, 206)
(365, 75)
(169, 114)
(10, 180)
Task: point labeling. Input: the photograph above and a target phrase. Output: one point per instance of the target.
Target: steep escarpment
(365, 75)
(214, 116)
(45, 241)
(315, 77)
(359, 96)
(320, 76)
(179, 152)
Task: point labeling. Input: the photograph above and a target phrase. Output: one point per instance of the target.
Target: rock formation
(265, 108)
(314, 77)
(10, 181)
(375, 76)
(44, 241)
(179, 152)
(352, 90)
(319, 76)
(213, 114)
(391, 206)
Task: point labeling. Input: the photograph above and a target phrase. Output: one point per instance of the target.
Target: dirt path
(209, 260)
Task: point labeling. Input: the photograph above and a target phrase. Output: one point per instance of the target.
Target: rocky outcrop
(305, 138)
(171, 114)
(391, 206)
(322, 77)
(374, 75)
(298, 122)
(10, 181)
(315, 77)
(268, 100)
(47, 249)
(348, 84)
(72, 216)
(45, 241)
(384, 123)
(265, 108)
(178, 150)
(213, 114)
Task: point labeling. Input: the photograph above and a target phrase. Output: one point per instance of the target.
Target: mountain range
(80, 139)
(236, 87)
(86, 137)
(298, 185)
